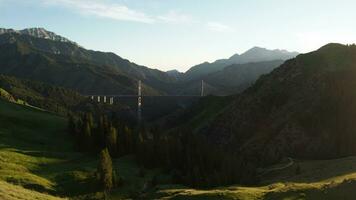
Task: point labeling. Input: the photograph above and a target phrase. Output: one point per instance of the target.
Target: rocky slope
(37, 32)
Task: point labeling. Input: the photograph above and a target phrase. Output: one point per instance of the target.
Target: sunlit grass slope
(34, 151)
(326, 179)
(13, 192)
(38, 161)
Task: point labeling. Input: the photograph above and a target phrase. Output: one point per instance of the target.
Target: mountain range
(39, 33)
(254, 55)
(235, 78)
(41, 55)
(69, 65)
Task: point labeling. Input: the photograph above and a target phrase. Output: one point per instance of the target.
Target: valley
(261, 125)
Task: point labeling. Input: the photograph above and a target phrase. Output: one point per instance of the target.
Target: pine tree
(99, 133)
(88, 117)
(71, 125)
(87, 136)
(111, 140)
(127, 140)
(105, 170)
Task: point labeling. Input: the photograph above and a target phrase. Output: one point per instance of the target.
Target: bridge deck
(102, 95)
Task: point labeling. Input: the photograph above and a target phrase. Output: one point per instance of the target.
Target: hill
(175, 74)
(304, 109)
(324, 180)
(44, 57)
(253, 55)
(41, 95)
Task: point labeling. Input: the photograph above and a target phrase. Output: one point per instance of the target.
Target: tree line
(189, 158)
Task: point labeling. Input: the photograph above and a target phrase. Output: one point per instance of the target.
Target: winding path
(290, 163)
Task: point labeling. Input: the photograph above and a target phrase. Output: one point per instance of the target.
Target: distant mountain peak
(174, 73)
(236, 55)
(38, 32)
(253, 55)
(257, 49)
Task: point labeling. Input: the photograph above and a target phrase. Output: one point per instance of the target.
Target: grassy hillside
(48, 97)
(13, 192)
(37, 156)
(29, 142)
(305, 108)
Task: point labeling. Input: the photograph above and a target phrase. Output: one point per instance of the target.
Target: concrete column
(104, 99)
(139, 102)
(202, 88)
(98, 99)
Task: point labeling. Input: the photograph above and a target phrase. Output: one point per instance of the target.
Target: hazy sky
(167, 34)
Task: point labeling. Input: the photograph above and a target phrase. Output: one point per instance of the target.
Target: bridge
(109, 99)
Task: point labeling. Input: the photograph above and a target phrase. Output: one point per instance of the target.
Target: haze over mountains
(42, 55)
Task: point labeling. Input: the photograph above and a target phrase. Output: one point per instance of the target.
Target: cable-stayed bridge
(111, 98)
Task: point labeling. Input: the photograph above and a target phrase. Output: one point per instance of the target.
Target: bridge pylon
(139, 102)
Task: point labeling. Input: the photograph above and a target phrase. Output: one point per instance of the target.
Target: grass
(37, 158)
(13, 192)
(5, 94)
(34, 149)
(324, 179)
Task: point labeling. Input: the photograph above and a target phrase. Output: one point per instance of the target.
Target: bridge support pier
(139, 103)
(98, 99)
(104, 99)
(111, 100)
